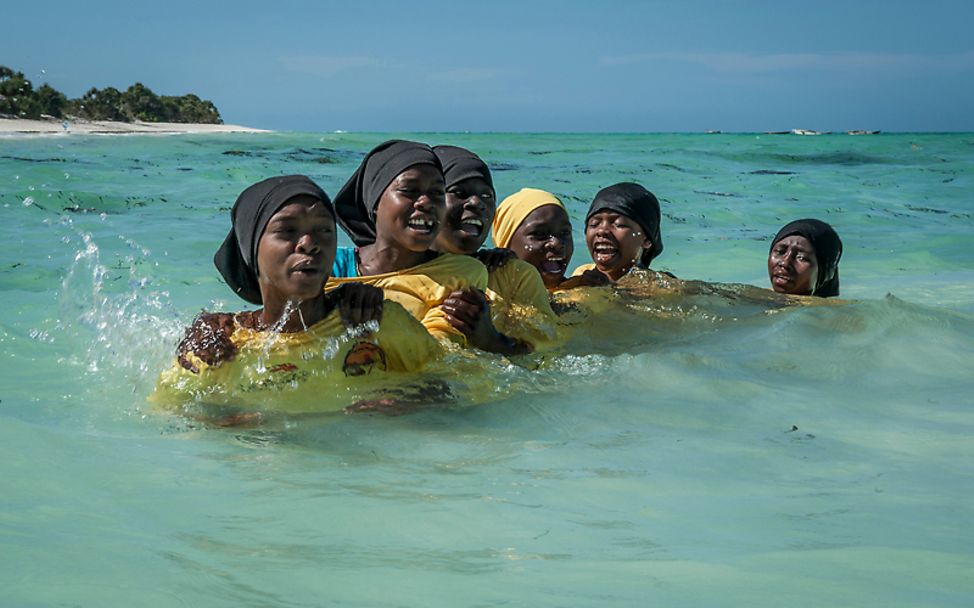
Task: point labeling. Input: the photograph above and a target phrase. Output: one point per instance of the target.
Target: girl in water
(301, 341)
(514, 316)
(622, 230)
(534, 224)
(804, 259)
(393, 208)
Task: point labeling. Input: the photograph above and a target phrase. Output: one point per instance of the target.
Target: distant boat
(805, 132)
(860, 132)
(777, 132)
(713, 132)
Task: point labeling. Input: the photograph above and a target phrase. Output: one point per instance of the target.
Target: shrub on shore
(19, 99)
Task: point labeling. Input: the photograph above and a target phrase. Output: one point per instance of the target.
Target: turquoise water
(661, 472)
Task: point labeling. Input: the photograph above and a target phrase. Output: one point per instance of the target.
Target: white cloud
(764, 63)
(327, 65)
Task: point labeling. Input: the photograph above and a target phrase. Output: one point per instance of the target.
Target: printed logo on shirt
(362, 358)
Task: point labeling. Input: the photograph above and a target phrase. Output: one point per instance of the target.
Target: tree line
(20, 99)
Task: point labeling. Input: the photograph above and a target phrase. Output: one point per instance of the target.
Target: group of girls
(418, 279)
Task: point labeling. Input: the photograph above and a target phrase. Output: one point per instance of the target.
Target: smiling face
(544, 240)
(296, 251)
(470, 207)
(792, 266)
(616, 242)
(410, 211)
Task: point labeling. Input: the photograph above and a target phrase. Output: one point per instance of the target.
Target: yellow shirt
(583, 268)
(421, 289)
(323, 369)
(520, 305)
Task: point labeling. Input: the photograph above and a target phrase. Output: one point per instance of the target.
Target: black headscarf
(828, 251)
(636, 203)
(460, 164)
(355, 203)
(237, 257)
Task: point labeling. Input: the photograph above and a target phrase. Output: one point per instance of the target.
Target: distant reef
(19, 99)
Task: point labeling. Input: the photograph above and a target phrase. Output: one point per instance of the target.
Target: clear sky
(522, 65)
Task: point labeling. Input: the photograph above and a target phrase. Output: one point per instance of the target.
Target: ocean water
(701, 451)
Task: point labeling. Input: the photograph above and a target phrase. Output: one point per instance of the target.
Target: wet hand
(494, 258)
(358, 303)
(208, 338)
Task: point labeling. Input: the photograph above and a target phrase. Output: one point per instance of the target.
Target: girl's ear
(647, 244)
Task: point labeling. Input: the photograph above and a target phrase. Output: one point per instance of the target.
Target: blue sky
(520, 65)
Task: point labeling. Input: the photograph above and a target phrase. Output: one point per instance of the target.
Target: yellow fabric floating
(513, 209)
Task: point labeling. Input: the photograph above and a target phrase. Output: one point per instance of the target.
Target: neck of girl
(298, 318)
(380, 258)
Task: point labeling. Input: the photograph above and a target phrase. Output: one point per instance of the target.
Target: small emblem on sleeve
(362, 358)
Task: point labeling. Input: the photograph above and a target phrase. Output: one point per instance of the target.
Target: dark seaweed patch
(831, 158)
(728, 194)
(669, 166)
(926, 209)
(236, 153)
(503, 167)
(35, 160)
(770, 172)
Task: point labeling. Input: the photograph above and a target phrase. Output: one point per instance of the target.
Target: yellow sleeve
(583, 268)
(406, 342)
(176, 384)
(521, 305)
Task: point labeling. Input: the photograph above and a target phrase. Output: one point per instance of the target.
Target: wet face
(792, 266)
(470, 207)
(410, 211)
(544, 240)
(616, 242)
(296, 251)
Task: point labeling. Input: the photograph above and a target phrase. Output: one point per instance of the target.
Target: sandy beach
(17, 126)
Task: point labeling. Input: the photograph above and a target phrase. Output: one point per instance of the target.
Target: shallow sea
(811, 457)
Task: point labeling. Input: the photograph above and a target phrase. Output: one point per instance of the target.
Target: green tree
(50, 101)
(140, 103)
(17, 95)
(104, 104)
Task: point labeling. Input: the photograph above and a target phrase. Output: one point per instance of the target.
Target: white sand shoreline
(23, 127)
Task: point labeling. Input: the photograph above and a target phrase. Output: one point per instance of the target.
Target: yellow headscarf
(513, 209)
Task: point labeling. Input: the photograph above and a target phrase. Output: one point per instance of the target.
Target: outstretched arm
(208, 339)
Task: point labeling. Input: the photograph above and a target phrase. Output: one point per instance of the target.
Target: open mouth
(307, 269)
(554, 266)
(780, 278)
(472, 226)
(603, 253)
(422, 225)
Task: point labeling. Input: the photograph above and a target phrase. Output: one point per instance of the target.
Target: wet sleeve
(407, 344)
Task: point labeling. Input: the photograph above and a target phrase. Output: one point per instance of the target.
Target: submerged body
(324, 369)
